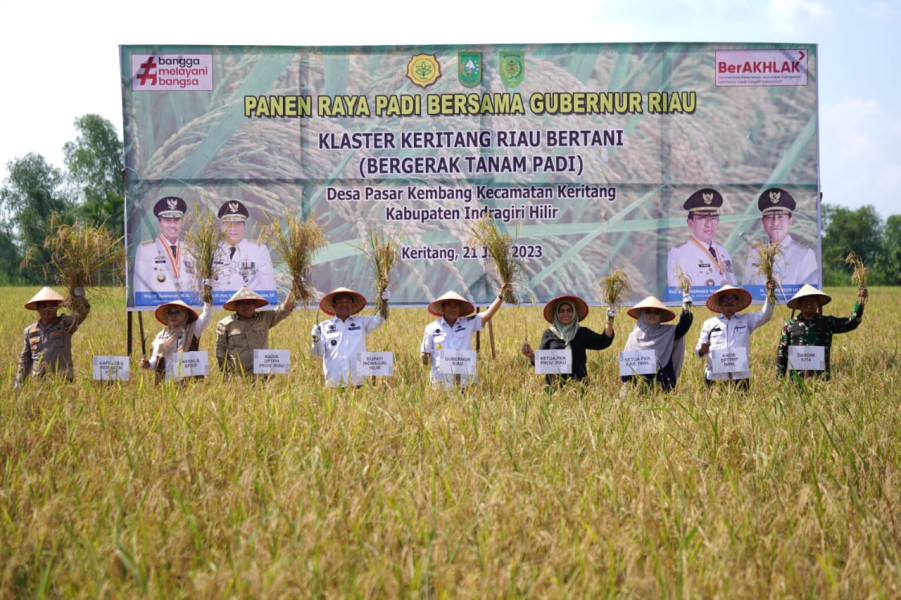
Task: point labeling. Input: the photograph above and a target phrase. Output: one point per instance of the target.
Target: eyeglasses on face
(707, 218)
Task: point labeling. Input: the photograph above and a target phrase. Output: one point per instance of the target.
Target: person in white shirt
(452, 331)
(341, 339)
(704, 261)
(731, 330)
(795, 264)
(241, 262)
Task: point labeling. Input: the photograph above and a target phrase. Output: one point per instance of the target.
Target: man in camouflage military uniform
(811, 328)
(48, 342)
(238, 335)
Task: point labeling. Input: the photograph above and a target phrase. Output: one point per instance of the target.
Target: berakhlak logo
(171, 72)
(469, 68)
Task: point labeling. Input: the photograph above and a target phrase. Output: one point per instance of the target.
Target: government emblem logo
(775, 196)
(707, 197)
(512, 68)
(469, 68)
(423, 70)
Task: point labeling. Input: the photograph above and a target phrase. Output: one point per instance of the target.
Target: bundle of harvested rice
(79, 256)
(499, 247)
(614, 288)
(860, 272)
(295, 244)
(766, 261)
(381, 249)
(204, 241)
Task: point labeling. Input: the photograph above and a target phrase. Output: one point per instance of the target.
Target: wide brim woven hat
(160, 312)
(466, 308)
(744, 298)
(326, 304)
(652, 302)
(579, 305)
(45, 295)
(245, 293)
(808, 290)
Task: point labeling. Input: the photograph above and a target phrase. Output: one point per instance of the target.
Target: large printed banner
(665, 160)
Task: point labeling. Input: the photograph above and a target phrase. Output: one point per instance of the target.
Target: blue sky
(860, 117)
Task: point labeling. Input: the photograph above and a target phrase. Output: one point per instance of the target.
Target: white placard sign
(111, 368)
(268, 362)
(729, 360)
(458, 362)
(807, 358)
(638, 362)
(554, 362)
(188, 364)
(375, 364)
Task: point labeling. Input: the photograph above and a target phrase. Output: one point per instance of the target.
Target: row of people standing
(728, 330)
(339, 339)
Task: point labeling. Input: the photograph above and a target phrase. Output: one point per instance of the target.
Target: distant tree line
(90, 190)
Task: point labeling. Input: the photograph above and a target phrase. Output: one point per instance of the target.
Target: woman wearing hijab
(181, 334)
(667, 341)
(565, 314)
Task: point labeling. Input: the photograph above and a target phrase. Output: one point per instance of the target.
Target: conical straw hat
(808, 290)
(652, 302)
(580, 306)
(466, 308)
(245, 293)
(327, 306)
(744, 298)
(160, 312)
(45, 295)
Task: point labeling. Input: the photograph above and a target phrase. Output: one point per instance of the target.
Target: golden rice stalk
(859, 275)
(500, 248)
(683, 279)
(80, 256)
(614, 288)
(766, 258)
(381, 249)
(204, 241)
(295, 244)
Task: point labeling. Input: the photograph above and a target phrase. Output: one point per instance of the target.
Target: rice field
(288, 489)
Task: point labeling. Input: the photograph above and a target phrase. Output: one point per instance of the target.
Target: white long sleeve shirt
(339, 345)
(440, 336)
(723, 333)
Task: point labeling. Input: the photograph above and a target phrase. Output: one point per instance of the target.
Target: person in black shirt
(565, 314)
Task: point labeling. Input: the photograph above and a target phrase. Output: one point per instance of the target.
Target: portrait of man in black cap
(163, 269)
(704, 261)
(795, 264)
(241, 262)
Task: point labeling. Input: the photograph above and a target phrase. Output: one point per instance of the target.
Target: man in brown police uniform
(48, 342)
(238, 335)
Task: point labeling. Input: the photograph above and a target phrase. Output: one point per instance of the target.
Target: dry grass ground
(287, 489)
